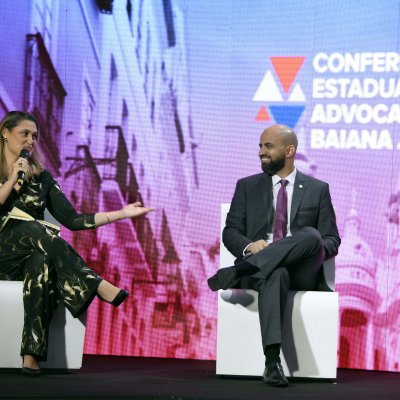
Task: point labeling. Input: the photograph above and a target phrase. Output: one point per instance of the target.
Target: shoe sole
(276, 383)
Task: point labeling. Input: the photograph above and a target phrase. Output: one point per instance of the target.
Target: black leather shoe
(224, 279)
(31, 371)
(273, 375)
(118, 299)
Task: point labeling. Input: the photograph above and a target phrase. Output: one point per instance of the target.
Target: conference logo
(353, 104)
(280, 93)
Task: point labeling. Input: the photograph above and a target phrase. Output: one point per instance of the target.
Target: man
(294, 210)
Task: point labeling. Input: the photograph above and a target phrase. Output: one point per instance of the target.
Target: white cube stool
(66, 338)
(310, 332)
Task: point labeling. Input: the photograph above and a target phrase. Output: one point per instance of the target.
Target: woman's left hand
(134, 210)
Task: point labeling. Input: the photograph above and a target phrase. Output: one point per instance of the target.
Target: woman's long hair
(10, 121)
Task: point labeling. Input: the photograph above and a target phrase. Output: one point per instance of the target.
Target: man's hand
(257, 246)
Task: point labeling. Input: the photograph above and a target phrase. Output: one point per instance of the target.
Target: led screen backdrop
(163, 102)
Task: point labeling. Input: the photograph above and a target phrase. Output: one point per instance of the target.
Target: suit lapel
(266, 190)
(298, 192)
(268, 200)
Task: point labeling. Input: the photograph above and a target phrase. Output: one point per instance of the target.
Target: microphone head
(24, 153)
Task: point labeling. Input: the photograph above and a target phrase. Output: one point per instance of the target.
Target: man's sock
(245, 269)
(272, 353)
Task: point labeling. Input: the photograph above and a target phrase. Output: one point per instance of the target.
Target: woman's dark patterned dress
(51, 270)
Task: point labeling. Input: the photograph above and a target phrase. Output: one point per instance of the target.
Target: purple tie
(280, 227)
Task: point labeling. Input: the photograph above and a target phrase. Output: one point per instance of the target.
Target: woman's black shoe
(31, 371)
(118, 299)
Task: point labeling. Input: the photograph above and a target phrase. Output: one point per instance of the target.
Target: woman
(31, 251)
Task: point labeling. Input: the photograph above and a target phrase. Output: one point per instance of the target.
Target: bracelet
(108, 218)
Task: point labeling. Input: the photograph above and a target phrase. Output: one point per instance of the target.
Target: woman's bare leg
(30, 362)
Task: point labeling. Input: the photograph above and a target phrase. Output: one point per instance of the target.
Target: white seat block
(309, 348)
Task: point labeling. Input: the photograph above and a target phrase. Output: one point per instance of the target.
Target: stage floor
(107, 377)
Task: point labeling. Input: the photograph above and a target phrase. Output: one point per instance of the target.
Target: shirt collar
(291, 178)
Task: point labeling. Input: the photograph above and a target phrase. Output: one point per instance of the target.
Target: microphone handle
(21, 178)
(21, 174)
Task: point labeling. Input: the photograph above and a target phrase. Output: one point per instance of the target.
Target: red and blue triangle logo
(281, 89)
(286, 69)
(287, 115)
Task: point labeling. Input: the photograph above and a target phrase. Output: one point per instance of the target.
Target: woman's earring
(5, 139)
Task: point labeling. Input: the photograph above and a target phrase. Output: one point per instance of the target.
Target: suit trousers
(292, 263)
(51, 271)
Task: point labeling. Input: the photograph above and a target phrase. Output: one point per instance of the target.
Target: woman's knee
(35, 263)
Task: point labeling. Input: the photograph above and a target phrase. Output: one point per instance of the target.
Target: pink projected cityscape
(163, 102)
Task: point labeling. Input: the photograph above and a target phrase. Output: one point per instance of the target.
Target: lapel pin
(301, 186)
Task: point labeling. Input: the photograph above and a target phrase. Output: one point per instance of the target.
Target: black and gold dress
(51, 270)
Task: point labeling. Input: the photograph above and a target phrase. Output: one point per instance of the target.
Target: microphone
(21, 174)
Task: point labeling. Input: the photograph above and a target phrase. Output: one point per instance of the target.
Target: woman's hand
(22, 164)
(134, 210)
(6, 188)
(129, 211)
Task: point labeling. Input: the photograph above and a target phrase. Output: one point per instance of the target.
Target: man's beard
(273, 166)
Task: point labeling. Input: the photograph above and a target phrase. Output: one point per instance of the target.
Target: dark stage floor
(152, 378)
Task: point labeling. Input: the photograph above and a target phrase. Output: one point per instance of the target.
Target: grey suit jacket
(251, 214)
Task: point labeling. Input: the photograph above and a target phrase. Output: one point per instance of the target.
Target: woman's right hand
(22, 164)
(6, 188)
